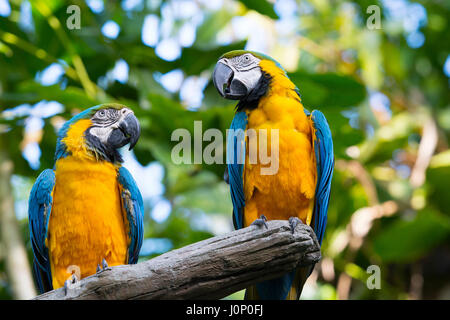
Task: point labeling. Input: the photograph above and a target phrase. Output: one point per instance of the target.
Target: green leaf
(214, 22)
(438, 176)
(328, 90)
(261, 6)
(406, 241)
(194, 60)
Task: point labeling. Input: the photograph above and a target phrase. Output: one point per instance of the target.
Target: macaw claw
(69, 283)
(260, 222)
(293, 222)
(104, 267)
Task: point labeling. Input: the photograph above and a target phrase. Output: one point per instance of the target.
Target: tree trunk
(209, 269)
(17, 265)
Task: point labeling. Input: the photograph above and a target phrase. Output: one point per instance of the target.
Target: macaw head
(98, 132)
(247, 76)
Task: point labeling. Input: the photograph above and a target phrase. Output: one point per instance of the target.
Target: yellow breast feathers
(289, 192)
(86, 223)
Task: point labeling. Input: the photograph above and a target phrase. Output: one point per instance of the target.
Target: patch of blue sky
(447, 66)
(148, 178)
(403, 170)
(130, 5)
(415, 17)
(42, 109)
(184, 9)
(111, 29)
(32, 153)
(153, 4)
(167, 20)
(26, 17)
(285, 8)
(5, 8)
(412, 17)
(161, 210)
(171, 81)
(241, 27)
(168, 49)
(95, 5)
(21, 110)
(33, 124)
(212, 5)
(287, 25)
(380, 102)
(353, 117)
(150, 30)
(21, 187)
(225, 36)
(120, 71)
(248, 28)
(217, 224)
(305, 8)
(370, 130)
(46, 109)
(50, 75)
(191, 92)
(186, 34)
(415, 39)
(155, 246)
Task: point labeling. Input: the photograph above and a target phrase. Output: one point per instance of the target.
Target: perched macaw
(300, 188)
(87, 211)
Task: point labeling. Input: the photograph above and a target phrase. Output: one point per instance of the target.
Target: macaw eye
(101, 113)
(246, 60)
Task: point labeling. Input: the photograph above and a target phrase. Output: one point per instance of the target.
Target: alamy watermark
(374, 280)
(263, 147)
(73, 281)
(374, 20)
(74, 20)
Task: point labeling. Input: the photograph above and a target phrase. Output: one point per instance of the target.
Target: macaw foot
(70, 283)
(104, 267)
(293, 222)
(260, 222)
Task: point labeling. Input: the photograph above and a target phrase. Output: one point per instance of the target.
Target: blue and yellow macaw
(300, 187)
(87, 211)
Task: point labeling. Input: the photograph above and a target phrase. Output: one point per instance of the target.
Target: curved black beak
(128, 131)
(130, 125)
(226, 84)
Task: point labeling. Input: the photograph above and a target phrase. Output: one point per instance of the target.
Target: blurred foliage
(378, 89)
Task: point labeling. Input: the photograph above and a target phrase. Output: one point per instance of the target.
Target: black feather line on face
(251, 101)
(99, 150)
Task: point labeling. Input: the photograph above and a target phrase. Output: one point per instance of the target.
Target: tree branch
(208, 269)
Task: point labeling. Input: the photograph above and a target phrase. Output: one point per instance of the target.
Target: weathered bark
(16, 261)
(209, 269)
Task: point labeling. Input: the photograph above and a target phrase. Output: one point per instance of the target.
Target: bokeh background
(385, 93)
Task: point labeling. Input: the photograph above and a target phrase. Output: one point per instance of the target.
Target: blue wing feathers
(39, 209)
(235, 163)
(323, 146)
(134, 210)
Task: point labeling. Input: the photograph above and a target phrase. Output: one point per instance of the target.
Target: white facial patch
(105, 121)
(102, 133)
(246, 69)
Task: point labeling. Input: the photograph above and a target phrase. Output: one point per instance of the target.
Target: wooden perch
(208, 269)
